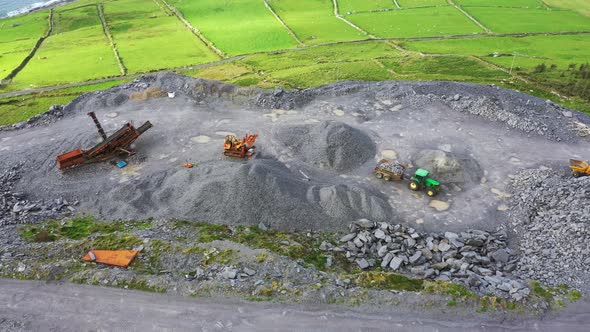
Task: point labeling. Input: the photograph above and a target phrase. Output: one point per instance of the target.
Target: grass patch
(388, 280)
(236, 27)
(419, 22)
(346, 6)
(149, 39)
(74, 229)
(509, 20)
(313, 21)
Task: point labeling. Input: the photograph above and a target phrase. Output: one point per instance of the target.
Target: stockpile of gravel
(551, 214)
(328, 144)
(449, 167)
(237, 193)
(15, 208)
(478, 259)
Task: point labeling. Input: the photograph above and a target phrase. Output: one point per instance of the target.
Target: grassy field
(421, 3)
(150, 39)
(346, 6)
(150, 36)
(419, 22)
(77, 51)
(510, 20)
(17, 38)
(313, 21)
(236, 27)
(501, 3)
(16, 109)
(581, 6)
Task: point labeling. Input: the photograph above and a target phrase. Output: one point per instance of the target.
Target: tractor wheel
(576, 174)
(379, 175)
(414, 186)
(431, 192)
(387, 178)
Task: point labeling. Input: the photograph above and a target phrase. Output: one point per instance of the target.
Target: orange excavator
(244, 148)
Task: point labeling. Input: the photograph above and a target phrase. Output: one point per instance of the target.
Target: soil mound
(329, 144)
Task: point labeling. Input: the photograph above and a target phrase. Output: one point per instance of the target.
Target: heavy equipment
(115, 145)
(388, 170)
(579, 168)
(244, 148)
(421, 180)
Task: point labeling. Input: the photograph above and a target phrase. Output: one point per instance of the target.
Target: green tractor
(420, 180)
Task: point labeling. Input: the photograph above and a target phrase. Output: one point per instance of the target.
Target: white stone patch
(312, 121)
(224, 133)
(388, 154)
(502, 207)
(173, 160)
(6, 139)
(201, 139)
(338, 112)
(500, 193)
(419, 221)
(386, 102)
(446, 147)
(112, 115)
(276, 113)
(439, 205)
(396, 108)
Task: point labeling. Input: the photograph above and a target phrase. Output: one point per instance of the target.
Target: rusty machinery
(244, 148)
(111, 146)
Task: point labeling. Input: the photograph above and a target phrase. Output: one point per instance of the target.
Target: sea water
(15, 7)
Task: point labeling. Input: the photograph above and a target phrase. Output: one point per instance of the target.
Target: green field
(535, 46)
(313, 21)
(236, 27)
(511, 20)
(17, 38)
(148, 39)
(501, 3)
(346, 6)
(581, 6)
(78, 50)
(421, 3)
(419, 22)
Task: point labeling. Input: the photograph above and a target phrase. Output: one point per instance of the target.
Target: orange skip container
(121, 258)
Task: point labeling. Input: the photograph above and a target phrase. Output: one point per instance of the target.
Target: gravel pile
(328, 144)
(551, 214)
(235, 193)
(15, 208)
(478, 259)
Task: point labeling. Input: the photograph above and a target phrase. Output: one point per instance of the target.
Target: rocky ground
(508, 213)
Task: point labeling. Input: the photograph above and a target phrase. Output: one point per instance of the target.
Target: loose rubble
(551, 214)
(15, 208)
(478, 259)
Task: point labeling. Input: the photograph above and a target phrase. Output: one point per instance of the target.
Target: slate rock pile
(15, 208)
(478, 259)
(551, 214)
(392, 166)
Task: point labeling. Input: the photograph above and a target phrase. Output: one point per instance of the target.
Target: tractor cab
(421, 180)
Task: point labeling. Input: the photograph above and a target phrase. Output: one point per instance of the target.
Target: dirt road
(39, 306)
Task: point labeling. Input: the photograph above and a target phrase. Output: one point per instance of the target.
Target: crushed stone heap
(551, 214)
